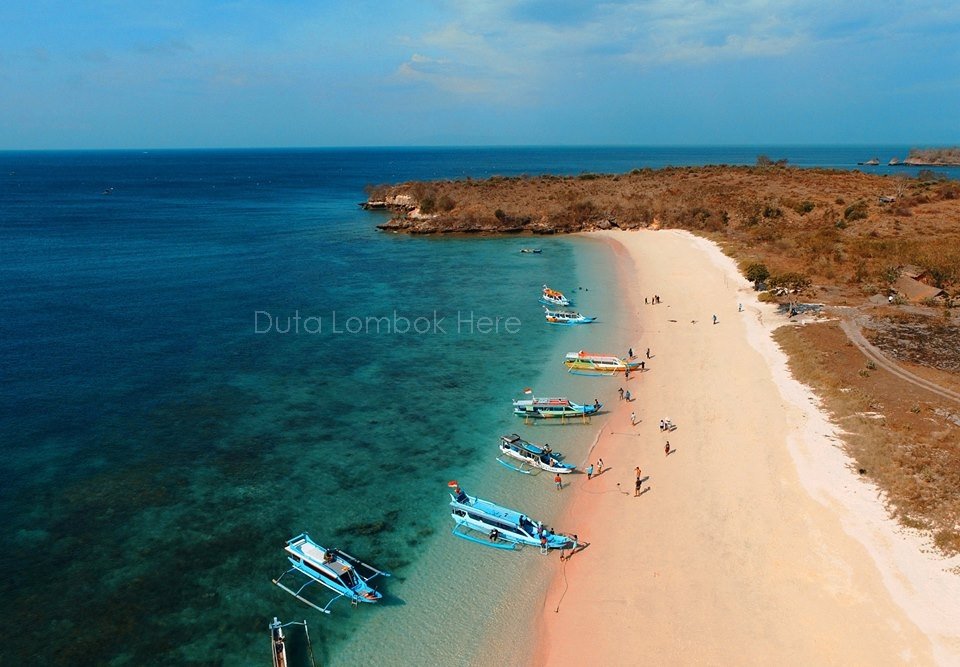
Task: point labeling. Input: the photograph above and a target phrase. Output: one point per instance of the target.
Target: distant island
(933, 157)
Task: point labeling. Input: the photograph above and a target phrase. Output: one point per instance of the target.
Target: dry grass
(912, 453)
(830, 226)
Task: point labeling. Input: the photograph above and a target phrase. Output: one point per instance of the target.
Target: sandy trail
(753, 543)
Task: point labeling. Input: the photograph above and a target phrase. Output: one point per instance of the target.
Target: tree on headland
(757, 273)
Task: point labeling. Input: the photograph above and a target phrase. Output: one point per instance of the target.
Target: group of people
(599, 470)
(655, 299)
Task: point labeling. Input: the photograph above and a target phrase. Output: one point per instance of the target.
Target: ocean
(205, 353)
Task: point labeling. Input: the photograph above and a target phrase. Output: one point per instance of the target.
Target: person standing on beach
(590, 471)
(636, 487)
(627, 395)
(621, 393)
(599, 466)
(666, 449)
(648, 353)
(714, 319)
(633, 419)
(630, 351)
(559, 481)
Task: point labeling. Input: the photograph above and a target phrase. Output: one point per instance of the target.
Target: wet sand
(753, 542)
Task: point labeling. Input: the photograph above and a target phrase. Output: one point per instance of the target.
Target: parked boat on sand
(532, 458)
(552, 408)
(501, 527)
(589, 363)
(566, 317)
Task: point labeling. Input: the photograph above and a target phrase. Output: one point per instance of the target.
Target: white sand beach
(753, 542)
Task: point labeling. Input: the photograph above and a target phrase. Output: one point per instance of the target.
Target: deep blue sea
(202, 354)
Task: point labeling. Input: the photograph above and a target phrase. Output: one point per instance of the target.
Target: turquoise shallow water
(157, 451)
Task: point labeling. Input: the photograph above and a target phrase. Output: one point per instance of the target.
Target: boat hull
(483, 516)
(580, 320)
(526, 452)
(525, 408)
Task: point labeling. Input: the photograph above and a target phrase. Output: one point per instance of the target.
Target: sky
(293, 73)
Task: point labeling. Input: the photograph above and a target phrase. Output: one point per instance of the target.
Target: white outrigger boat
(552, 297)
(502, 528)
(531, 457)
(553, 408)
(567, 317)
(588, 363)
(278, 641)
(342, 573)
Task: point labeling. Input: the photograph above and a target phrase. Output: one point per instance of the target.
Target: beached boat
(552, 297)
(342, 573)
(279, 642)
(567, 317)
(531, 457)
(501, 527)
(588, 363)
(552, 408)
(533, 251)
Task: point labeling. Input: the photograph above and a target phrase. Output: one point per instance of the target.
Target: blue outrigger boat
(502, 528)
(531, 457)
(342, 573)
(553, 408)
(566, 317)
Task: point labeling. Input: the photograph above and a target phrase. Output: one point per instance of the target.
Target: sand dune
(753, 543)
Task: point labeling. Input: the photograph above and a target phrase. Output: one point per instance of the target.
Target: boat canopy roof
(523, 444)
(314, 553)
(497, 511)
(551, 401)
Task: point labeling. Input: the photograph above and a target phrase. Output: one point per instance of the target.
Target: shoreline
(754, 541)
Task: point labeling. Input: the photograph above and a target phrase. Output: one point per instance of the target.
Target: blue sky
(252, 73)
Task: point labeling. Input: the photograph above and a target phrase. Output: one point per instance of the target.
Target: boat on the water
(533, 251)
(552, 408)
(501, 527)
(345, 575)
(531, 457)
(589, 363)
(552, 297)
(567, 317)
(279, 642)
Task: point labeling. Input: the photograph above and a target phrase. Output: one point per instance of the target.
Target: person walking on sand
(590, 471)
(714, 319)
(637, 485)
(739, 307)
(666, 449)
(621, 393)
(559, 481)
(599, 466)
(648, 353)
(630, 351)
(633, 419)
(627, 395)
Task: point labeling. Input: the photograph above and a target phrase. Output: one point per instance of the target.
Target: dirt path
(848, 323)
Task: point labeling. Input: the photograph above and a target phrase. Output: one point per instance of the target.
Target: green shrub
(856, 211)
